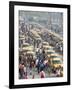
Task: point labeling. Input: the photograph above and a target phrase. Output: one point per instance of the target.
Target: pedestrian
(42, 74)
(21, 70)
(26, 76)
(42, 66)
(33, 76)
(38, 66)
(58, 72)
(36, 63)
(25, 69)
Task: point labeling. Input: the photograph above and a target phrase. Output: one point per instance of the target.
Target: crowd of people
(41, 65)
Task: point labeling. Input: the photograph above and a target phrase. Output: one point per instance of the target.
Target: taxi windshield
(56, 62)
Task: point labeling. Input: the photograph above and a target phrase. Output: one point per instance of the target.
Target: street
(40, 51)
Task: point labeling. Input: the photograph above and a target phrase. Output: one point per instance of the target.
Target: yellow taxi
(27, 47)
(57, 63)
